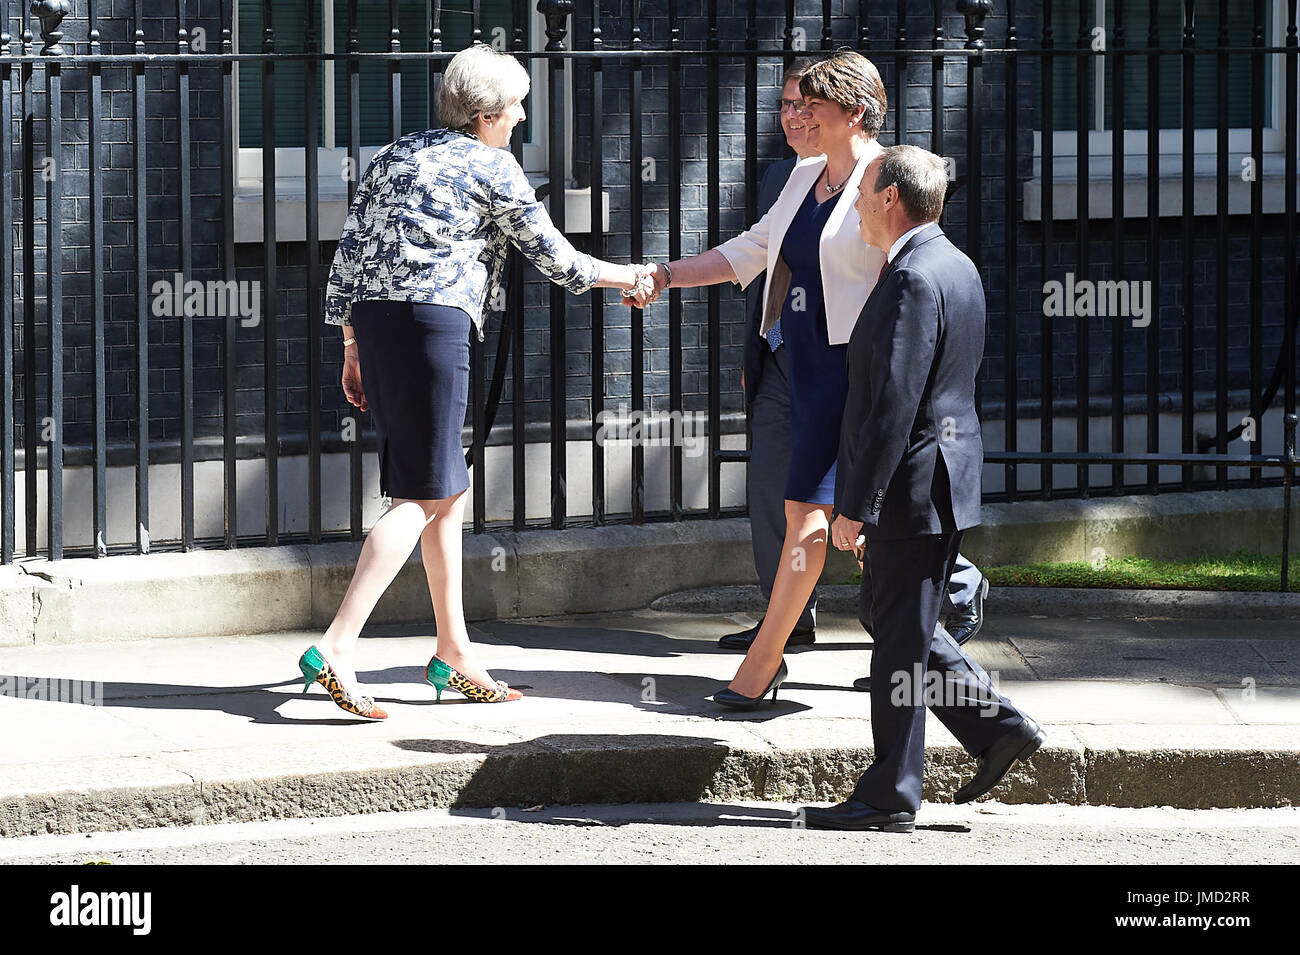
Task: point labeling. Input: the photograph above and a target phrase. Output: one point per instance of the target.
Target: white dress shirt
(902, 241)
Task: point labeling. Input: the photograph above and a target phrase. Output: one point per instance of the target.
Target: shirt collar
(902, 241)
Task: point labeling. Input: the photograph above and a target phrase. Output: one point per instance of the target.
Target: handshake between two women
(652, 278)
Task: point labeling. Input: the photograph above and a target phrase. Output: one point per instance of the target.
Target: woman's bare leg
(442, 550)
(807, 528)
(386, 549)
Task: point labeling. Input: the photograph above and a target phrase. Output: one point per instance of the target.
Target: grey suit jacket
(769, 187)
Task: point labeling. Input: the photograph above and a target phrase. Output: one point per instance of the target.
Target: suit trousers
(915, 663)
(965, 579)
(959, 594)
(769, 467)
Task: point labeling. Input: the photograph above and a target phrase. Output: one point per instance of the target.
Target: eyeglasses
(791, 105)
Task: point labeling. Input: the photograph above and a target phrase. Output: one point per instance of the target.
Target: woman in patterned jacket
(420, 257)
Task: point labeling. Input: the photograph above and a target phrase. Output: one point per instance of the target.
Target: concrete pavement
(1140, 712)
(712, 834)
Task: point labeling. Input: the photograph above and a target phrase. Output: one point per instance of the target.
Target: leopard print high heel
(316, 669)
(442, 675)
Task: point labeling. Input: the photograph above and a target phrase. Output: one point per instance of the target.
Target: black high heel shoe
(736, 701)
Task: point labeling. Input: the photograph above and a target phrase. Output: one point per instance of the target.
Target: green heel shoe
(442, 675)
(311, 664)
(436, 674)
(316, 669)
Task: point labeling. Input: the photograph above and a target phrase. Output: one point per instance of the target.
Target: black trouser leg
(914, 662)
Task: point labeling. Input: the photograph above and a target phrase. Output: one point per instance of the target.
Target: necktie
(883, 269)
(774, 335)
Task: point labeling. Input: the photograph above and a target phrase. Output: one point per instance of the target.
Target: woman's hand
(659, 274)
(653, 280)
(644, 291)
(352, 380)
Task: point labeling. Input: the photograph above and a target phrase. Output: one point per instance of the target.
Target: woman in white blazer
(819, 274)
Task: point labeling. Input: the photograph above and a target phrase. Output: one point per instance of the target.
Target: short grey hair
(797, 69)
(921, 178)
(478, 80)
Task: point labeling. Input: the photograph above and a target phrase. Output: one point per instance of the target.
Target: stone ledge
(262, 590)
(1048, 601)
(1257, 769)
(617, 567)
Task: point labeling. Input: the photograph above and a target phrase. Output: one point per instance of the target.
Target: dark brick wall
(658, 126)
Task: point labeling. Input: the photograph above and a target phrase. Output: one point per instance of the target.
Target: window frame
(1169, 164)
(290, 161)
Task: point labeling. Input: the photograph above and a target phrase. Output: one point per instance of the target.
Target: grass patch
(1241, 571)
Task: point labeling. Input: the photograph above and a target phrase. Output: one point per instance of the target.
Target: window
(1100, 75)
(290, 25)
(1100, 120)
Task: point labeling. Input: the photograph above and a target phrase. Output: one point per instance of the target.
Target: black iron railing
(969, 118)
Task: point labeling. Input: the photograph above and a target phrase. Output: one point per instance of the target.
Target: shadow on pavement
(250, 701)
(701, 814)
(706, 814)
(576, 768)
(649, 642)
(675, 693)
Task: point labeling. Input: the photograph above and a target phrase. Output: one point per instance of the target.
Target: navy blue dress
(819, 381)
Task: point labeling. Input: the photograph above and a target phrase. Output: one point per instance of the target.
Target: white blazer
(849, 266)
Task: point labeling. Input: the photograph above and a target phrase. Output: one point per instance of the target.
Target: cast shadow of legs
(256, 701)
(575, 769)
(675, 694)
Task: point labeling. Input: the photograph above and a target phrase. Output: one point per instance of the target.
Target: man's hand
(352, 381)
(845, 533)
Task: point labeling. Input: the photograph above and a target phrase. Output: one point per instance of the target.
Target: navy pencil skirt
(415, 375)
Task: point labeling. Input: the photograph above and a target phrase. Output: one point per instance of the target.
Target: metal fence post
(8, 502)
(557, 14)
(1288, 478)
(51, 14)
(975, 11)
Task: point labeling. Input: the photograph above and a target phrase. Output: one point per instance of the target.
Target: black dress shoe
(854, 815)
(738, 701)
(967, 622)
(862, 683)
(996, 761)
(799, 637)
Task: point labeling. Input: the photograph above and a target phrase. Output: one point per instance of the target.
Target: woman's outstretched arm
(613, 275)
(522, 217)
(707, 268)
(737, 260)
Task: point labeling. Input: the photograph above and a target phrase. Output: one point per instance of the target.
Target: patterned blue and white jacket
(431, 222)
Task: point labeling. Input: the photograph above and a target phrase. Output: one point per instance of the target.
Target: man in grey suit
(908, 481)
(766, 379)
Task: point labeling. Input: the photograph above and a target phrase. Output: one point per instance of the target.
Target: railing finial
(975, 12)
(557, 13)
(51, 14)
